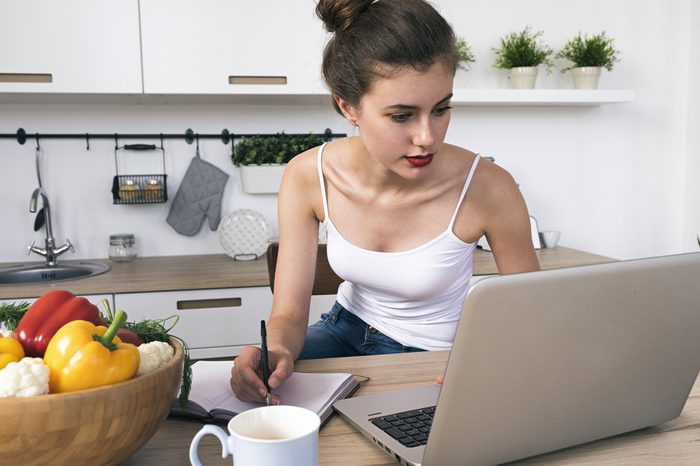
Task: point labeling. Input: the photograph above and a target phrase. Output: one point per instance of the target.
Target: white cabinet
(71, 46)
(231, 47)
(214, 323)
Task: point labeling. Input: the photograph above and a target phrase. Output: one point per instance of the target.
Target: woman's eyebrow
(413, 107)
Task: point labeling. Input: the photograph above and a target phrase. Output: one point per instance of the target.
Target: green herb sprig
(11, 314)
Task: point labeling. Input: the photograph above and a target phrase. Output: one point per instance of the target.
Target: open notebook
(211, 398)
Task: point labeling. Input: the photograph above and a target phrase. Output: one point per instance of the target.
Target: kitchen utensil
(244, 234)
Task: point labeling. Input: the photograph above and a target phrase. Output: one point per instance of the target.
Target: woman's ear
(348, 110)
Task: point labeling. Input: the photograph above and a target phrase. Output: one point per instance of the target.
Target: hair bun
(338, 15)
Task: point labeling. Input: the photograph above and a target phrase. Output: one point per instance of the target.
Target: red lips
(420, 160)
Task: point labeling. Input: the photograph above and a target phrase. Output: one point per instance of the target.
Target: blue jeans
(340, 333)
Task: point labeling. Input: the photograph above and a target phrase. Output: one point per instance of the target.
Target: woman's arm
(497, 205)
(294, 275)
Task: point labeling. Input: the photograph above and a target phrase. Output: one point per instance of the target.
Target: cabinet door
(214, 323)
(231, 47)
(71, 46)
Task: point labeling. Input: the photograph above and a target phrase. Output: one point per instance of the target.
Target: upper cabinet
(226, 47)
(70, 46)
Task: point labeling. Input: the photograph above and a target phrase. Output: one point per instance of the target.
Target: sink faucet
(50, 251)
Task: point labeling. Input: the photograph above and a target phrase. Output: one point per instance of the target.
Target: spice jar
(153, 191)
(122, 247)
(129, 191)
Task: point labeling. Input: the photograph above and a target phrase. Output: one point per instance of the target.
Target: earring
(353, 123)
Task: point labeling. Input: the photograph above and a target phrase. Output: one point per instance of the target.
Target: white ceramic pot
(261, 179)
(586, 77)
(522, 77)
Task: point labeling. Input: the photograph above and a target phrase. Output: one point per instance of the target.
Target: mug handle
(216, 431)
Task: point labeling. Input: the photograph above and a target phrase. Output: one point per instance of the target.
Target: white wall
(618, 180)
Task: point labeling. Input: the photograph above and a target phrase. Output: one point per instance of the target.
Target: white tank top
(414, 296)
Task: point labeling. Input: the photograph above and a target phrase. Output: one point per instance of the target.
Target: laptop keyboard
(411, 428)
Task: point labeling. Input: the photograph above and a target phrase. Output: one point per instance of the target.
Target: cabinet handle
(208, 303)
(26, 77)
(277, 80)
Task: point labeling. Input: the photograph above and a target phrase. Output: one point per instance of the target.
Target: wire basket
(140, 189)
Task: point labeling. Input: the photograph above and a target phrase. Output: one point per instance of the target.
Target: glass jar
(122, 247)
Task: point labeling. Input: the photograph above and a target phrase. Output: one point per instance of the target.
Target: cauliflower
(154, 355)
(5, 333)
(28, 377)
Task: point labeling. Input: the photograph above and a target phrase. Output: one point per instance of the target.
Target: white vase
(261, 179)
(522, 77)
(586, 77)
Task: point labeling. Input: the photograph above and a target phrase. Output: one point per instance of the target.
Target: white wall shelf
(541, 97)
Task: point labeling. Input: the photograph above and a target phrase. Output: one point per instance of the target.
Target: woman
(403, 210)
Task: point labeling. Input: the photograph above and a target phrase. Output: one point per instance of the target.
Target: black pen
(265, 361)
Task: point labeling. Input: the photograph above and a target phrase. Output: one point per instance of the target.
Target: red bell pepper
(49, 313)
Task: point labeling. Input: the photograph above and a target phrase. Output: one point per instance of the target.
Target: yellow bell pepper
(10, 351)
(83, 355)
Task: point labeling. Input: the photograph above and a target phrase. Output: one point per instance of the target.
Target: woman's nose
(424, 135)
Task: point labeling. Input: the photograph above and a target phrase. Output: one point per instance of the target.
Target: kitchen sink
(41, 273)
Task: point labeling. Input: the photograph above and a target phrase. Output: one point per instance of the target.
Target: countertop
(211, 271)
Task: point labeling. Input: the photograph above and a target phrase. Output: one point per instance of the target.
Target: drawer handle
(208, 303)
(26, 78)
(277, 80)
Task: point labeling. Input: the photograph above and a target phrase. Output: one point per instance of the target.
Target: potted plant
(263, 157)
(521, 53)
(466, 57)
(589, 55)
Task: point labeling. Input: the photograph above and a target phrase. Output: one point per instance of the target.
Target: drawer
(214, 323)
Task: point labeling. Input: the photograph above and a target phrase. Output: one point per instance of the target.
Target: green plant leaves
(524, 48)
(597, 51)
(272, 148)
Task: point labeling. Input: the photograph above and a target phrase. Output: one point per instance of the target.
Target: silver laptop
(546, 360)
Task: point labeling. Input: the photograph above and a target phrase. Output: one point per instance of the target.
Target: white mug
(274, 435)
(550, 238)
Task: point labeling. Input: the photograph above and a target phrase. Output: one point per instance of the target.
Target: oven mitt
(199, 196)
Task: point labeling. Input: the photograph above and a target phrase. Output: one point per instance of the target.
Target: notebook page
(211, 389)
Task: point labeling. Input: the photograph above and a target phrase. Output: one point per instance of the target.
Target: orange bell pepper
(83, 355)
(10, 351)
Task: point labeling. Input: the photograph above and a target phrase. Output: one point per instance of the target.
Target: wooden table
(676, 442)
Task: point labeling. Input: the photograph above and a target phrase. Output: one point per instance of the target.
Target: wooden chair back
(325, 280)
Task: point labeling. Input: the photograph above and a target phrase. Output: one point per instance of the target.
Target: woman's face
(403, 119)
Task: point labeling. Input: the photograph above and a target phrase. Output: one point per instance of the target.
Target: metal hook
(38, 147)
(87, 141)
(196, 136)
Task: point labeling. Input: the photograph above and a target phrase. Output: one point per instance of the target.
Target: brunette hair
(379, 38)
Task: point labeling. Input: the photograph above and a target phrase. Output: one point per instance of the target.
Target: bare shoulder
(492, 185)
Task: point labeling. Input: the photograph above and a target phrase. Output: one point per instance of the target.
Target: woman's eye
(442, 110)
(400, 117)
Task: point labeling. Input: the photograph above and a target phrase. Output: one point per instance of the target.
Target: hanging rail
(189, 136)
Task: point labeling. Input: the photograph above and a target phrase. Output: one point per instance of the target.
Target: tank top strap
(322, 181)
(464, 190)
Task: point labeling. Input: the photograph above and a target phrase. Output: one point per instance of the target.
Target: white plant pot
(586, 77)
(261, 179)
(522, 77)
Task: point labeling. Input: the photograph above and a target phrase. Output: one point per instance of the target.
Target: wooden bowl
(100, 426)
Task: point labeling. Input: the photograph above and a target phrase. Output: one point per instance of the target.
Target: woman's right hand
(246, 374)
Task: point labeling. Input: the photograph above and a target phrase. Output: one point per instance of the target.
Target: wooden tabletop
(676, 442)
(210, 271)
